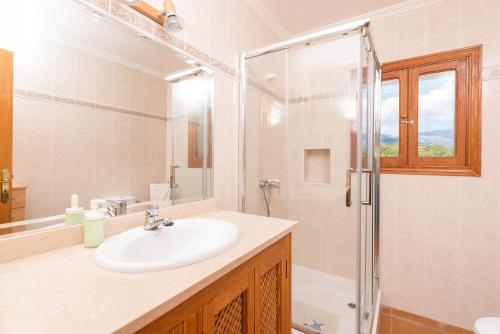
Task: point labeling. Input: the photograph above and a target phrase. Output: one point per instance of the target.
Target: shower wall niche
(317, 168)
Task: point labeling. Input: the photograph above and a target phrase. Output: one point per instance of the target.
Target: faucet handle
(167, 222)
(152, 210)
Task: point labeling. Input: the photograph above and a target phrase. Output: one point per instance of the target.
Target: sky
(436, 103)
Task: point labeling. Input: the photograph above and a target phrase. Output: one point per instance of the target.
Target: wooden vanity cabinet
(253, 298)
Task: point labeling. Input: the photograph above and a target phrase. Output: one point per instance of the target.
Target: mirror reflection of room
(90, 116)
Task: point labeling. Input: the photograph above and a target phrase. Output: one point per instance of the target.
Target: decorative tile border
(137, 20)
(157, 32)
(261, 88)
(318, 97)
(172, 41)
(194, 52)
(104, 4)
(64, 100)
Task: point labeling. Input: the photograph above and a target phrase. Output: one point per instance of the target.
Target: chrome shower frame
(362, 26)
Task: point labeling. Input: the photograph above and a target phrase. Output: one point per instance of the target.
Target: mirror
(99, 110)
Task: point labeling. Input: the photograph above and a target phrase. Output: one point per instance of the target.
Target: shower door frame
(374, 85)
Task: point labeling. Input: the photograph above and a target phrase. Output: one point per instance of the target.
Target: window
(431, 114)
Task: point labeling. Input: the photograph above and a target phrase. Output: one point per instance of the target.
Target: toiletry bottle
(74, 214)
(93, 228)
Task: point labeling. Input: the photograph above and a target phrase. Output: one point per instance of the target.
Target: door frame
(6, 123)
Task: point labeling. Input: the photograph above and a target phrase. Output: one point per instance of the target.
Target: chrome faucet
(151, 221)
(114, 208)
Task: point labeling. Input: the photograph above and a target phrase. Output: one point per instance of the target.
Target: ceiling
(298, 16)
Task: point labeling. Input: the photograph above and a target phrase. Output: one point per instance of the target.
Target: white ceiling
(298, 16)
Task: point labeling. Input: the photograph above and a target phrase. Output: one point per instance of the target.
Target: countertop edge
(167, 306)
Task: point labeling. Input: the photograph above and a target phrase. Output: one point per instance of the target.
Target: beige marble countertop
(63, 291)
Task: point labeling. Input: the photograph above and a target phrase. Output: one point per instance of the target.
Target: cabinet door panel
(231, 312)
(175, 323)
(272, 311)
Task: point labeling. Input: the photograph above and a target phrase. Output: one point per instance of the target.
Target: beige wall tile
(461, 213)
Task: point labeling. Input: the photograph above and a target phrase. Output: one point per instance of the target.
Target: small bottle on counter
(74, 214)
(93, 228)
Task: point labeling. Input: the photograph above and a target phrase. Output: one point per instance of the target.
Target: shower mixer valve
(267, 186)
(272, 183)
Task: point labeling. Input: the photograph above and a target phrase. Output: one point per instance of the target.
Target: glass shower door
(310, 124)
(323, 181)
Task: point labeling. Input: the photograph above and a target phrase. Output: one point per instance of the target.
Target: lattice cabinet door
(232, 310)
(273, 293)
(181, 321)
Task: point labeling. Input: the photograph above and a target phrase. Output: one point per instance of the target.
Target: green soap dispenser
(93, 228)
(74, 214)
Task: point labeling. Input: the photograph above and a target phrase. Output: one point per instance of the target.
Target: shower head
(173, 22)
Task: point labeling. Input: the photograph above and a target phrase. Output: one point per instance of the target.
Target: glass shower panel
(321, 150)
(265, 135)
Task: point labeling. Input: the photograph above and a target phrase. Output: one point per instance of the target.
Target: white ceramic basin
(188, 241)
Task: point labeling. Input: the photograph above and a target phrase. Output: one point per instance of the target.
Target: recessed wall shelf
(317, 165)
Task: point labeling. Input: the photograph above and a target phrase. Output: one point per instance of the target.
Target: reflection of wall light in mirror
(276, 114)
(270, 77)
(350, 112)
(139, 35)
(179, 75)
(95, 16)
(191, 93)
(192, 62)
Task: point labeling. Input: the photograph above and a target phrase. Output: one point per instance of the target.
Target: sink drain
(351, 305)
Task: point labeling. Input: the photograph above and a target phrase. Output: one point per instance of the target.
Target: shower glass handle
(173, 183)
(348, 177)
(369, 190)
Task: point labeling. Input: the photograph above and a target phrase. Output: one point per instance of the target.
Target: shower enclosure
(190, 134)
(309, 129)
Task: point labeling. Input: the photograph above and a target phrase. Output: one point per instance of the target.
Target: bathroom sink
(188, 241)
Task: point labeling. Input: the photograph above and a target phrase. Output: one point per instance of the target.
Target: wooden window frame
(466, 63)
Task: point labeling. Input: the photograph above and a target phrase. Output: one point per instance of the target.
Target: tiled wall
(216, 32)
(441, 235)
(325, 239)
(83, 124)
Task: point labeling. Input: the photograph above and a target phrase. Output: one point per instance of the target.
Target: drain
(351, 305)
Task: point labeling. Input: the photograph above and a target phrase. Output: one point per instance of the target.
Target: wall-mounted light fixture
(167, 16)
(185, 73)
